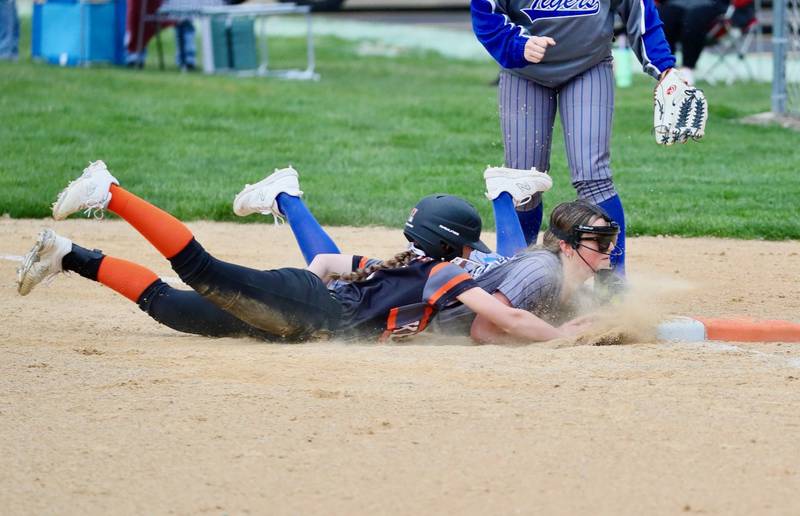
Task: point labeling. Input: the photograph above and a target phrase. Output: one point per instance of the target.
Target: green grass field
(369, 139)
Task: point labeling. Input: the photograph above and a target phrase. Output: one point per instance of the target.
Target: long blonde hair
(398, 260)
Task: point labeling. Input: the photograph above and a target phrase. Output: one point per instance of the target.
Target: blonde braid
(398, 260)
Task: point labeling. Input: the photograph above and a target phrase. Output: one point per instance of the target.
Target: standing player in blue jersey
(556, 55)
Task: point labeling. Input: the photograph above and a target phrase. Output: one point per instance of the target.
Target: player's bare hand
(536, 47)
(577, 325)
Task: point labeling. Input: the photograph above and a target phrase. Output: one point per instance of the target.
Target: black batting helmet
(440, 225)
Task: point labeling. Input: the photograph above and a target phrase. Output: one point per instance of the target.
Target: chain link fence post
(779, 57)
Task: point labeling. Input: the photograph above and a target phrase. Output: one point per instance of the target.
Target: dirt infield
(103, 411)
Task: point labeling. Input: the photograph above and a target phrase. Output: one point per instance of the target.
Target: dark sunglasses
(603, 235)
(603, 243)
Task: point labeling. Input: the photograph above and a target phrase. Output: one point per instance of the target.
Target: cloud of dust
(631, 319)
(634, 316)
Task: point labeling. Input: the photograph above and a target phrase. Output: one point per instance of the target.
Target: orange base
(751, 330)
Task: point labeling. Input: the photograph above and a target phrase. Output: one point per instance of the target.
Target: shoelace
(521, 202)
(97, 211)
(525, 200)
(277, 218)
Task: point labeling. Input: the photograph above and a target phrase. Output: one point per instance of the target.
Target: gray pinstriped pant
(586, 106)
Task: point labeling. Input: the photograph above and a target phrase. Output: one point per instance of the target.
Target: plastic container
(234, 44)
(69, 33)
(623, 63)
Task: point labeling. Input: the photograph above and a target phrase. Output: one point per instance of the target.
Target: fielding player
(556, 54)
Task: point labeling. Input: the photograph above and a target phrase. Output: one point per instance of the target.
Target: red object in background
(134, 15)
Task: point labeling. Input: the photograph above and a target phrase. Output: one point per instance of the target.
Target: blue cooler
(70, 32)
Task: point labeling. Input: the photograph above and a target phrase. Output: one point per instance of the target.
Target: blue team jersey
(582, 29)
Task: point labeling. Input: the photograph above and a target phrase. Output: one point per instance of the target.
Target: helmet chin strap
(462, 261)
(414, 249)
(419, 252)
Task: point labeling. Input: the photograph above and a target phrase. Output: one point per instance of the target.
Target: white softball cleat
(262, 196)
(521, 184)
(42, 261)
(89, 193)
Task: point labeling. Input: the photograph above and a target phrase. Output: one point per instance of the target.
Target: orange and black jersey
(398, 302)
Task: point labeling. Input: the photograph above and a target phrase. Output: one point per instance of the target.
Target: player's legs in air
(586, 104)
(182, 310)
(291, 303)
(279, 195)
(527, 115)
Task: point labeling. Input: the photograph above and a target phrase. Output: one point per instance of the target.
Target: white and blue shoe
(262, 196)
(520, 184)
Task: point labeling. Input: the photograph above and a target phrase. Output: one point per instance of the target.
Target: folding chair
(162, 19)
(732, 34)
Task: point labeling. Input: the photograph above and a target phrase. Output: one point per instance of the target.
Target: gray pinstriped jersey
(582, 29)
(571, 55)
(531, 281)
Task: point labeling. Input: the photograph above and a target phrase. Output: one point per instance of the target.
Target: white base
(681, 329)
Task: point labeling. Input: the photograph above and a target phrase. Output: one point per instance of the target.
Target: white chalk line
(716, 345)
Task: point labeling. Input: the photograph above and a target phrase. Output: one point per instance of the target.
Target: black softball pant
(231, 300)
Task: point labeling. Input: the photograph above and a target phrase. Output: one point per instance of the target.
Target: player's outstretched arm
(498, 322)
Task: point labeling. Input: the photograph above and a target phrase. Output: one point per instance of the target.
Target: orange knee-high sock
(127, 278)
(167, 234)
